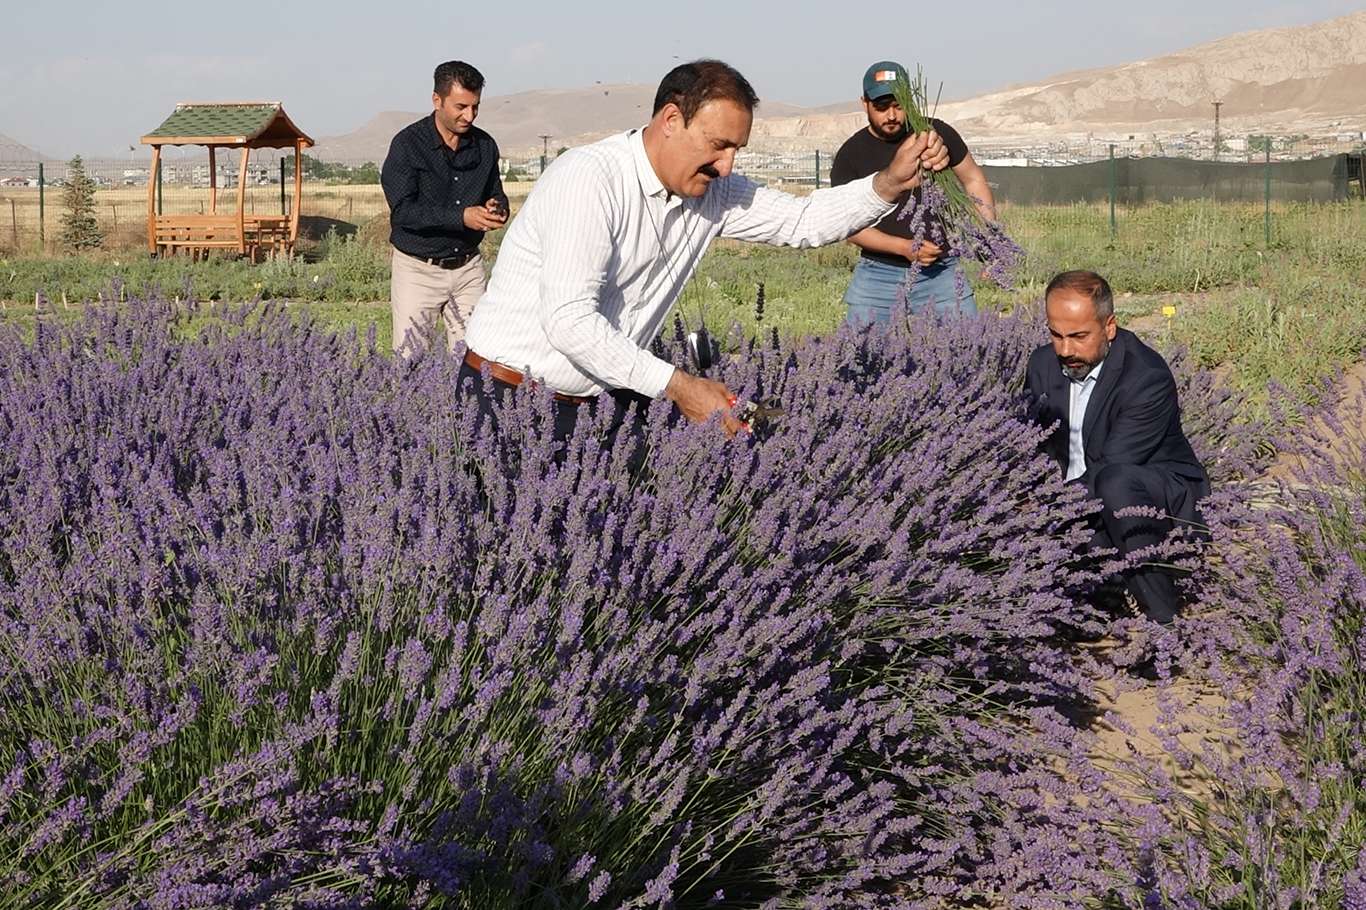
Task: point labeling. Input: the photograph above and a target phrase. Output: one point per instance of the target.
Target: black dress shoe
(1147, 669)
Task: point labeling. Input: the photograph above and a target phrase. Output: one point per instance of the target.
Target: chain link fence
(345, 196)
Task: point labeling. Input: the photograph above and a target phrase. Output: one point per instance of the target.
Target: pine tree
(80, 230)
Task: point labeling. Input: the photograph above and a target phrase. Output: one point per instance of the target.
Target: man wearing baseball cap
(889, 248)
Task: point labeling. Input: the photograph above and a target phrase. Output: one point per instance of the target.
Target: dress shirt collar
(649, 180)
(438, 141)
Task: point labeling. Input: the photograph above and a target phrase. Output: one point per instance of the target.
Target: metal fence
(343, 195)
(802, 168)
(346, 195)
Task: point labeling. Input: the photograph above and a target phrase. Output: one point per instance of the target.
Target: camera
(703, 350)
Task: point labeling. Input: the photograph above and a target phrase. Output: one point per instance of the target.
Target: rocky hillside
(569, 116)
(1279, 80)
(13, 150)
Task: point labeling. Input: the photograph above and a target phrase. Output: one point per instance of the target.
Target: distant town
(795, 166)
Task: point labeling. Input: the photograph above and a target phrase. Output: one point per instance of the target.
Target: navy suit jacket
(1131, 418)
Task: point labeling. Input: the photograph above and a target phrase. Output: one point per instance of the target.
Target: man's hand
(917, 154)
(936, 154)
(700, 398)
(486, 217)
(925, 252)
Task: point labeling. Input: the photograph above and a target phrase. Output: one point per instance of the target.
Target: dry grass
(122, 211)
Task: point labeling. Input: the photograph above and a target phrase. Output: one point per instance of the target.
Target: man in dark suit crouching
(1118, 427)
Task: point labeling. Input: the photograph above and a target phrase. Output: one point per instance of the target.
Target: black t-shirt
(863, 154)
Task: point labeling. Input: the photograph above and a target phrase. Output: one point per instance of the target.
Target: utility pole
(545, 140)
(1217, 105)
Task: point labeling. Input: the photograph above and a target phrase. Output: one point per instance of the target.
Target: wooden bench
(267, 232)
(196, 235)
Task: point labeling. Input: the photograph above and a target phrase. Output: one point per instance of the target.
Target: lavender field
(283, 625)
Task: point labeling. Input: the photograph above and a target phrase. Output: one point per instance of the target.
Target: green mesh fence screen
(1140, 180)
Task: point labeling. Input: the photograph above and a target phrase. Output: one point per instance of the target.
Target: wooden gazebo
(240, 125)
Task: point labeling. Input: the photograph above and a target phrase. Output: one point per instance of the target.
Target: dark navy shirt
(428, 185)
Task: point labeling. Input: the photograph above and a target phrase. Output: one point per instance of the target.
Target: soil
(1129, 720)
(1342, 448)
(1135, 704)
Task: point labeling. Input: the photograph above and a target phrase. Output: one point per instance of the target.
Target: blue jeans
(877, 290)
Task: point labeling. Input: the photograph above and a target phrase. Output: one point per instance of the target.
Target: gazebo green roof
(254, 124)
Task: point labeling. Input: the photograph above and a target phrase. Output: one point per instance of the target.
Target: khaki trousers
(421, 293)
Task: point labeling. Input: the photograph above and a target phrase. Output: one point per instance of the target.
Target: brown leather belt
(509, 376)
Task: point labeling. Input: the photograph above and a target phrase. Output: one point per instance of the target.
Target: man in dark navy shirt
(441, 181)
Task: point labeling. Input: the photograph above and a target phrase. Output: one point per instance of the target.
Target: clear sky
(90, 77)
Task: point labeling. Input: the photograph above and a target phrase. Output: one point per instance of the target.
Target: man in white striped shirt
(613, 231)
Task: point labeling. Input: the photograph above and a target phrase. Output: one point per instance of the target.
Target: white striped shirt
(600, 250)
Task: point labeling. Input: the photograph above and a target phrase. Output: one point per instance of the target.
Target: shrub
(291, 625)
(285, 623)
(1279, 634)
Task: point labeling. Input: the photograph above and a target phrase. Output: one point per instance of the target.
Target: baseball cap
(881, 76)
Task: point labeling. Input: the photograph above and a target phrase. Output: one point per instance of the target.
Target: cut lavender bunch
(943, 212)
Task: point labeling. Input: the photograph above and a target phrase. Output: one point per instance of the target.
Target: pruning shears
(750, 413)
